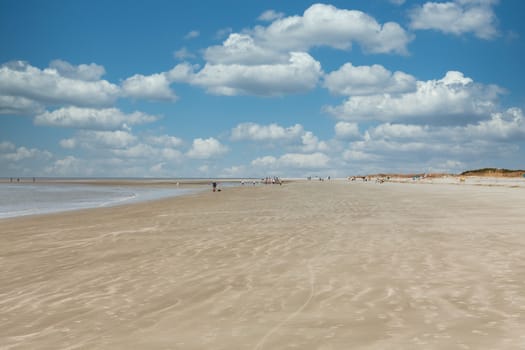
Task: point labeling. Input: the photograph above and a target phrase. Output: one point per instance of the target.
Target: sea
(20, 199)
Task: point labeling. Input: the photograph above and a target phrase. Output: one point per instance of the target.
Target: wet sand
(307, 265)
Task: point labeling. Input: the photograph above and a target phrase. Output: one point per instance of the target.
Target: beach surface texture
(306, 265)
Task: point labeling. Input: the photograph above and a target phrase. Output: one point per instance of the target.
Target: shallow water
(29, 199)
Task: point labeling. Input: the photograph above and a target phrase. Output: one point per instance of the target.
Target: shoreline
(118, 181)
(201, 185)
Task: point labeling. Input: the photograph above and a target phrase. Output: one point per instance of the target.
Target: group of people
(18, 179)
(272, 180)
(269, 180)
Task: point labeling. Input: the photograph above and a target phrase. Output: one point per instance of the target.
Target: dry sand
(307, 265)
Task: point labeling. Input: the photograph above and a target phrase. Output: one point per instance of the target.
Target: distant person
(214, 185)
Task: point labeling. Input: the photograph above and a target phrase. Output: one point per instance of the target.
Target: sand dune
(307, 265)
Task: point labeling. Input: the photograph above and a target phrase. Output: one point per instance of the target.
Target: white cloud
(206, 148)
(326, 25)
(170, 154)
(300, 74)
(353, 155)
(397, 2)
(272, 60)
(368, 80)
(457, 17)
(242, 49)
(68, 143)
(346, 130)
(398, 131)
(102, 139)
(90, 118)
(311, 143)
(316, 160)
(454, 99)
(407, 147)
(165, 140)
(22, 153)
(506, 126)
(19, 105)
(22, 160)
(69, 166)
(49, 87)
(6, 146)
(272, 132)
(270, 15)
(140, 150)
(151, 87)
(292, 138)
(87, 72)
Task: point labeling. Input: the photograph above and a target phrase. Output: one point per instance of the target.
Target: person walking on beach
(214, 185)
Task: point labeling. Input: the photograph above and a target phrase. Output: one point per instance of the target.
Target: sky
(96, 88)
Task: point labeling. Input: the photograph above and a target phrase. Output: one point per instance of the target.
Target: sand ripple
(332, 265)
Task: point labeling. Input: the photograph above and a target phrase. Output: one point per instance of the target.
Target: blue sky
(256, 88)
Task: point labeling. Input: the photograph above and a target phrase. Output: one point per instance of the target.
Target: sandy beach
(307, 265)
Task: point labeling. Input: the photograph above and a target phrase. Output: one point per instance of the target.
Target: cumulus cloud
(272, 132)
(368, 80)
(454, 99)
(326, 25)
(457, 17)
(10, 153)
(273, 60)
(316, 160)
(16, 160)
(68, 143)
(504, 126)
(300, 74)
(18, 79)
(354, 155)
(398, 131)
(102, 139)
(140, 150)
(69, 166)
(151, 87)
(165, 140)
(19, 105)
(443, 148)
(91, 118)
(346, 130)
(87, 72)
(311, 143)
(206, 148)
(124, 145)
(6, 146)
(242, 49)
(293, 137)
